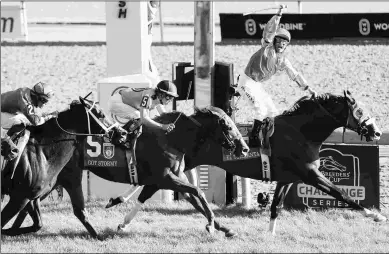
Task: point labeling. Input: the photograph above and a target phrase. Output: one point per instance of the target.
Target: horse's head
(85, 114)
(220, 127)
(348, 113)
(359, 120)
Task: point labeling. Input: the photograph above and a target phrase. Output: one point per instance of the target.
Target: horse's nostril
(246, 150)
(377, 134)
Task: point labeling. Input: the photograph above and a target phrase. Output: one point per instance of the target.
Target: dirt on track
(329, 66)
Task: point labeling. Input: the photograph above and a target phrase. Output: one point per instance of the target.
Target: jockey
(133, 104)
(19, 108)
(263, 64)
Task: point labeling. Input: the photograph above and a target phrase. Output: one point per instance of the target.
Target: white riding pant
(121, 112)
(8, 120)
(259, 99)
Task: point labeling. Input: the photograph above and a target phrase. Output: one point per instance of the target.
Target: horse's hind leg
(172, 182)
(318, 180)
(147, 192)
(279, 196)
(14, 205)
(78, 203)
(33, 209)
(28, 209)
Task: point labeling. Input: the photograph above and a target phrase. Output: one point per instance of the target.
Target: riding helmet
(283, 33)
(167, 87)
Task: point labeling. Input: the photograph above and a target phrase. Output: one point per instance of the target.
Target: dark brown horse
(50, 147)
(157, 155)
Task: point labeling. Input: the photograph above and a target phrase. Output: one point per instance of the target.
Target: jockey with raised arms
(263, 64)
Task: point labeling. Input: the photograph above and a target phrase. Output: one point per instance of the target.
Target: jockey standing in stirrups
(134, 104)
(263, 64)
(19, 108)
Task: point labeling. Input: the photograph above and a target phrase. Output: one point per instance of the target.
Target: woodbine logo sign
(12, 22)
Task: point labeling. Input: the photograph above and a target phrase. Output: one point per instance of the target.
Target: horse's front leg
(147, 192)
(315, 178)
(173, 182)
(280, 193)
(197, 205)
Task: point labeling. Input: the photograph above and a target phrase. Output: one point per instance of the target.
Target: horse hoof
(210, 229)
(120, 228)
(112, 202)
(230, 234)
(379, 218)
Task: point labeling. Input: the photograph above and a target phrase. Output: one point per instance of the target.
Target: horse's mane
(170, 117)
(307, 105)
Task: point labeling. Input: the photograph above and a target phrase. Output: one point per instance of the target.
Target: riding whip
(265, 9)
(186, 100)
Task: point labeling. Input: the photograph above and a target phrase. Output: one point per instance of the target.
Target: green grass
(161, 228)
(329, 67)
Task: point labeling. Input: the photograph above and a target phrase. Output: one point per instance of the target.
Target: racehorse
(298, 136)
(156, 156)
(49, 149)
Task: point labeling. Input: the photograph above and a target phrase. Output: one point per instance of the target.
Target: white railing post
(300, 7)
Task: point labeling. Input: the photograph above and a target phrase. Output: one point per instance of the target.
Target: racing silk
(19, 101)
(139, 97)
(266, 62)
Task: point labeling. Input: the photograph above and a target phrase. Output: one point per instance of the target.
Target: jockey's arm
(161, 109)
(270, 29)
(296, 76)
(146, 119)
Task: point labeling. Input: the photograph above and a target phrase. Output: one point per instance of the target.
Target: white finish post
(204, 43)
(127, 32)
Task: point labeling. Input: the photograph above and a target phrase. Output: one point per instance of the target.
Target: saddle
(127, 139)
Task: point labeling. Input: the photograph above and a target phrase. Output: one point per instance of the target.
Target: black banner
(353, 168)
(307, 26)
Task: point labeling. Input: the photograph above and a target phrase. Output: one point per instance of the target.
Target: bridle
(361, 128)
(227, 142)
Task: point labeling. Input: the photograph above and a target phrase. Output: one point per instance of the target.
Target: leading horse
(50, 147)
(156, 155)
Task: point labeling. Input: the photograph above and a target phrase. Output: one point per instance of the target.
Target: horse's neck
(207, 153)
(316, 128)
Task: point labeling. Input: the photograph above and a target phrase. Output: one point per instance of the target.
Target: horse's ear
(347, 94)
(82, 101)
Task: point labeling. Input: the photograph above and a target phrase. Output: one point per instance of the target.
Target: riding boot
(22, 142)
(254, 136)
(132, 167)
